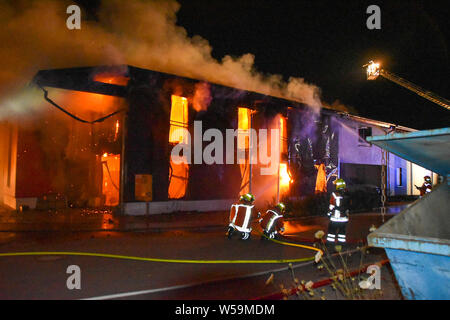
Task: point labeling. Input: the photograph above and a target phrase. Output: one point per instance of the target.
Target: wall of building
(147, 148)
(398, 175)
(354, 150)
(32, 178)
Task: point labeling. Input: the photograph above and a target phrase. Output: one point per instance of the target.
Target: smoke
(34, 36)
(202, 96)
(21, 104)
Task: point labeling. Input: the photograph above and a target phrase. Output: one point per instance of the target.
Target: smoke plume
(34, 36)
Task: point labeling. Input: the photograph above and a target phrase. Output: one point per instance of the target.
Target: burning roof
(114, 80)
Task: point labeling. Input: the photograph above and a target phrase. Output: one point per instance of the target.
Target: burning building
(107, 134)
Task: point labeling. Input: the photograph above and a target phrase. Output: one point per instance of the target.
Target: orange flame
(178, 119)
(293, 228)
(285, 178)
(110, 78)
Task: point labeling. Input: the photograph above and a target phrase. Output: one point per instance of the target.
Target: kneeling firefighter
(273, 223)
(241, 215)
(338, 214)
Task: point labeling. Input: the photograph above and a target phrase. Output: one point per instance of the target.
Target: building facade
(111, 144)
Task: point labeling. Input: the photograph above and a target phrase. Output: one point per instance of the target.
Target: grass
(339, 282)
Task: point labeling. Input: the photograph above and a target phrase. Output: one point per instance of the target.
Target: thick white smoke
(34, 36)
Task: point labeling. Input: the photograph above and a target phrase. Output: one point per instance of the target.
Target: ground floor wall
(159, 207)
(361, 162)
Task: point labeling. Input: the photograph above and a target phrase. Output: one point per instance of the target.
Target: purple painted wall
(354, 151)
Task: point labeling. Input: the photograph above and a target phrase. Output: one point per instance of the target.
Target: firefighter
(272, 223)
(241, 215)
(338, 214)
(426, 186)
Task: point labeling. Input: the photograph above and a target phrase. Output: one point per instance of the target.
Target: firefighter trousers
(336, 230)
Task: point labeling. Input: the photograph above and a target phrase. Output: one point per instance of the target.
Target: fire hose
(311, 240)
(147, 259)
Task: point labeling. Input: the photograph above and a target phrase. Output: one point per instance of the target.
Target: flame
(83, 104)
(285, 178)
(111, 173)
(116, 133)
(243, 127)
(321, 180)
(180, 172)
(243, 118)
(178, 180)
(283, 135)
(244, 143)
(111, 78)
(178, 120)
(294, 227)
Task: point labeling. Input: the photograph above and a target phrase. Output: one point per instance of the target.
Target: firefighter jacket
(272, 220)
(339, 206)
(241, 216)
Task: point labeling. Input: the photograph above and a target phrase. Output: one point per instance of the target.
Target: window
(283, 135)
(243, 127)
(111, 178)
(244, 122)
(399, 177)
(178, 173)
(284, 176)
(363, 133)
(178, 120)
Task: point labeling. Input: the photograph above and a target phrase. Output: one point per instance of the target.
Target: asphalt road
(44, 277)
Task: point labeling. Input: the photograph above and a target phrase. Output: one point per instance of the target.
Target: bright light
(178, 120)
(243, 127)
(285, 178)
(116, 133)
(373, 70)
(112, 78)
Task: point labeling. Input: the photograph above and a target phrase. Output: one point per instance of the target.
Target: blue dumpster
(417, 240)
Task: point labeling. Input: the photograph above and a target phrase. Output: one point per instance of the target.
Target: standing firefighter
(339, 208)
(241, 215)
(426, 186)
(272, 223)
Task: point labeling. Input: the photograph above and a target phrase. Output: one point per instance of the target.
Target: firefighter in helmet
(338, 213)
(272, 223)
(426, 186)
(241, 215)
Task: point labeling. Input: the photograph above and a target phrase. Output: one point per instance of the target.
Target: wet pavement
(198, 236)
(106, 220)
(44, 276)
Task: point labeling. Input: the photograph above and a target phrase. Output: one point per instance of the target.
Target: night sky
(326, 43)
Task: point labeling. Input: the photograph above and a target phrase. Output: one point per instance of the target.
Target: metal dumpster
(417, 240)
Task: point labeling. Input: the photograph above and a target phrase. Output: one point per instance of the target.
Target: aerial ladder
(373, 70)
